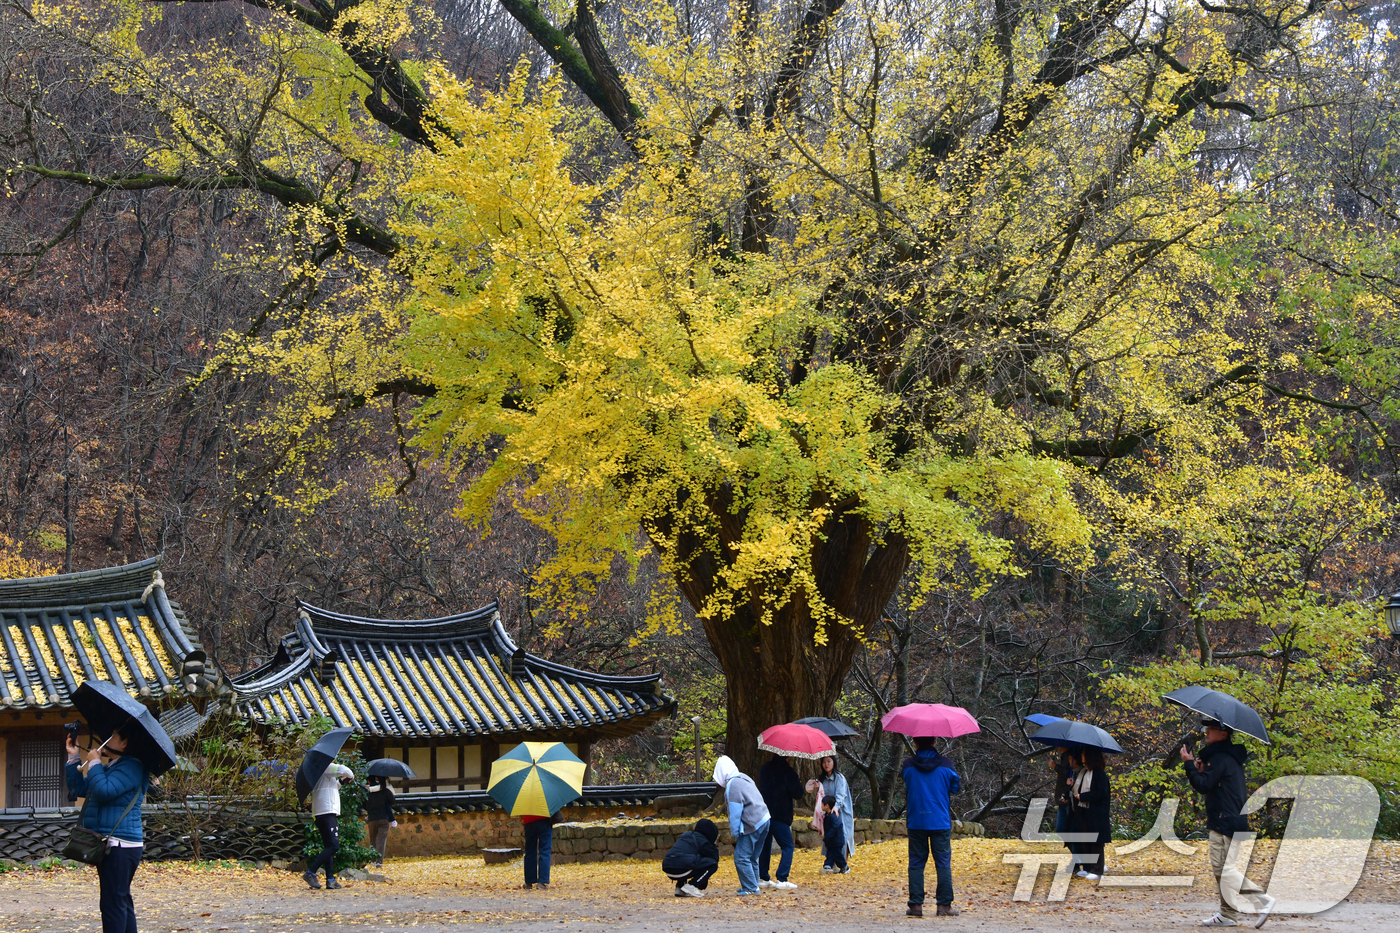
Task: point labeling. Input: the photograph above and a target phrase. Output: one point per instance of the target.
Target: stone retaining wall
(278, 836)
(421, 834)
(594, 843)
(644, 836)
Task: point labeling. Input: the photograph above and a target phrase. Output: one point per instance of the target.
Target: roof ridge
(440, 629)
(400, 627)
(80, 585)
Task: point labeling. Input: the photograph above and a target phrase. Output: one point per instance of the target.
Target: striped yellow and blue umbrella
(536, 779)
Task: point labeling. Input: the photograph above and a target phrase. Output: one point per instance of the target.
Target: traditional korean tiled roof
(459, 675)
(114, 624)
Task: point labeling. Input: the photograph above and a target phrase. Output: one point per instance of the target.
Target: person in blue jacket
(930, 781)
(109, 788)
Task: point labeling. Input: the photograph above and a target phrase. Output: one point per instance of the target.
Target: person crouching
(833, 836)
(693, 859)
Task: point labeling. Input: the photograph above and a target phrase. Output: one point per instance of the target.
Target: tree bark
(777, 672)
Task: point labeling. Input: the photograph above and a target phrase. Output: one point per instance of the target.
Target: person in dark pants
(325, 808)
(114, 876)
(1092, 813)
(1064, 777)
(779, 786)
(379, 815)
(539, 846)
(833, 836)
(116, 789)
(930, 780)
(693, 859)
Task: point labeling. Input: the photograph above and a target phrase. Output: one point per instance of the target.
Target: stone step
(500, 856)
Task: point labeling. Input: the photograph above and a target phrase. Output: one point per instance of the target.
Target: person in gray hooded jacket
(748, 820)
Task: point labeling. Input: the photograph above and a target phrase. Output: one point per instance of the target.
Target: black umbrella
(390, 768)
(1067, 733)
(1223, 708)
(107, 707)
(832, 728)
(314, 765)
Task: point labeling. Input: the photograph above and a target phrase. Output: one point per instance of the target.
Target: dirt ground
(447, 893)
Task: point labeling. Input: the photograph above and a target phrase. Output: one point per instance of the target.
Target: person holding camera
(1217, 774)
(115, 788)
(325, 809)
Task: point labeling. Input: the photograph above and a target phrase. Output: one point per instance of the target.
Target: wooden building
(445, 695)
(114, 624)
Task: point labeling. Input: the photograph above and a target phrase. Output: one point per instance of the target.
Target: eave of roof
(113, 624)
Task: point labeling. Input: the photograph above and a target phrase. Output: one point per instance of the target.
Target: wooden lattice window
(41, 773)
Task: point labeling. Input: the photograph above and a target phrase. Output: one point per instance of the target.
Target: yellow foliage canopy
(630, 374)
(799, 301)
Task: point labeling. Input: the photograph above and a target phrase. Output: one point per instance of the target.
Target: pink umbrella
(795, 740)
(930, 719)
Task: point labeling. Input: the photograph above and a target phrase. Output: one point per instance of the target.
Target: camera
(72, 729)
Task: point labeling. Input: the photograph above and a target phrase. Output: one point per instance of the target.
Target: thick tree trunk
(777, 672)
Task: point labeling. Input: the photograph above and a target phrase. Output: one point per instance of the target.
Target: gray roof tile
(109, 624)
(456, 676)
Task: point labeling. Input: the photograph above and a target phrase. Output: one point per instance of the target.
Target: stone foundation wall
(468, 833)
(647, 833)
(643, 838)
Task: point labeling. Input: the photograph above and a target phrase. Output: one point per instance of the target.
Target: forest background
(1076, 323)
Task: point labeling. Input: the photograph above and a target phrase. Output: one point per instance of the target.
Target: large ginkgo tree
(809, 301)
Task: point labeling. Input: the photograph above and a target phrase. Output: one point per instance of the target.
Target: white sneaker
(828, 869)
(1264, 911)
(764, 883)
(1219, 921)
(690, 890)
(1080, 873)
(1090, 876)
(785, 885)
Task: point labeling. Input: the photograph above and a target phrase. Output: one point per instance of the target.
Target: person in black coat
(380, 814)
(780, 786)
(1092, 812)
(1064, 776)
(693, 859)
(1218, 775)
